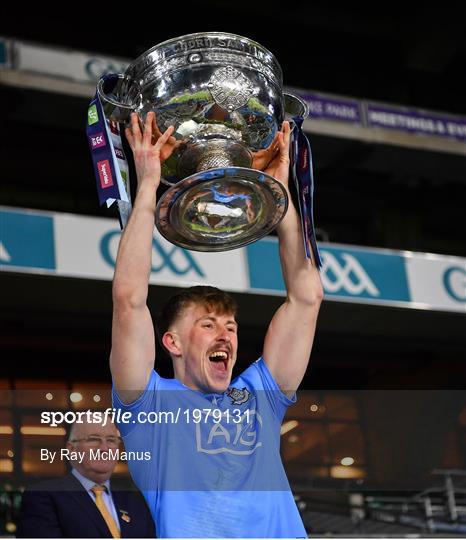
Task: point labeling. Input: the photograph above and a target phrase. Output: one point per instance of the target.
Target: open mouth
(219, 360)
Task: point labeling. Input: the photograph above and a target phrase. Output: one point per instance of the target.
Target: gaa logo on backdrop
(349, 276)
(97, 67)
(165, 256)
(454, 281)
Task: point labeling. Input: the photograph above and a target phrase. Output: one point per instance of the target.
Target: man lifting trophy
(205, 114)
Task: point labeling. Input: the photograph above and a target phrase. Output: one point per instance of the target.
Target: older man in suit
(83, 503)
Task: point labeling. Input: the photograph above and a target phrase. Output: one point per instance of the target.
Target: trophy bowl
(223, 94)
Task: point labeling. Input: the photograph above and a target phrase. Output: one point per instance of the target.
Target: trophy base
(221, 209)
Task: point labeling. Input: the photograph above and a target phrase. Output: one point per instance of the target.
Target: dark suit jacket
(62, 508)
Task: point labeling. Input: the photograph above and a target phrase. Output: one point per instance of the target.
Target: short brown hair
(211, 298)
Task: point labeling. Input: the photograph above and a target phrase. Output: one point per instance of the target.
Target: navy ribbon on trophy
(302, 173)
(109, 160)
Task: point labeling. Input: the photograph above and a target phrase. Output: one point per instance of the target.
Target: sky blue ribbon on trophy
(302, 173)
(109, 160)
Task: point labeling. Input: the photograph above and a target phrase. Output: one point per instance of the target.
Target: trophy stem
(213, 160)
(213, 154)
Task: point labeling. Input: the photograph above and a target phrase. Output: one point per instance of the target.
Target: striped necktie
(100, 503)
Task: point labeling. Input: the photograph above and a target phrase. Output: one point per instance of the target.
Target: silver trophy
(223, 94)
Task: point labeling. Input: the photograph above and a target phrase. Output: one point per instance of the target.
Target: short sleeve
(277, 399)
(144, 403)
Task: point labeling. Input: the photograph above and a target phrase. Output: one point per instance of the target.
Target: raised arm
(133, 339)
(290, 335)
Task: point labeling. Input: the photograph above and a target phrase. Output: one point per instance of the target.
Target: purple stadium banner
(384, 116)
(413, 121)
(343, 110)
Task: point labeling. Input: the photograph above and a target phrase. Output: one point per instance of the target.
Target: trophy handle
(294, 106)
(120, 95)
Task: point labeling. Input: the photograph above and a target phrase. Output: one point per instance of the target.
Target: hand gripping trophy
(223, 95)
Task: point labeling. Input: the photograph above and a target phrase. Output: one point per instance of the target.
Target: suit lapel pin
(125, 516)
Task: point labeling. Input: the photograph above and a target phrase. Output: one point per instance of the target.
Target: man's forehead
(89, 428)
(199, 311)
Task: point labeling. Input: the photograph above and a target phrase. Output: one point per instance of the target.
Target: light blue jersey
(212, 466)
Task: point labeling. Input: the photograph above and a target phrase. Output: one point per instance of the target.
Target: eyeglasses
(94, 440)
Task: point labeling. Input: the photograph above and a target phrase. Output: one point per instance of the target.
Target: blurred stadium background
(376, 445)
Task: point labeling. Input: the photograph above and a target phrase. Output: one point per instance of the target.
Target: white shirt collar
(88, 484)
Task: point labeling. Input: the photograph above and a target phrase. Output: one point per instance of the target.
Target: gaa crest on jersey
(238, 397)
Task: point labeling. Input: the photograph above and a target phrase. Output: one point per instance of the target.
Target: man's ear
(172, 343)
